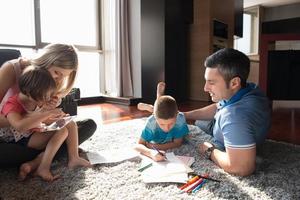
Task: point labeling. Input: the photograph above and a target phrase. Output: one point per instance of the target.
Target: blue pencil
(199, 186)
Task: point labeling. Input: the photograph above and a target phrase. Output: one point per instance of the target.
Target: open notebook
(175, 169)
(171, 170)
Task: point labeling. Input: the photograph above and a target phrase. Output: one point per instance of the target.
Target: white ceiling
(268, 3)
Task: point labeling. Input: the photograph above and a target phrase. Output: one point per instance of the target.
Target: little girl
(36, 88)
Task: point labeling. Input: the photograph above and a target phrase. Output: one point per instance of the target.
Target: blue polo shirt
(244, 120)
(154, 134)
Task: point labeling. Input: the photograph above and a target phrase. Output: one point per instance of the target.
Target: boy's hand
(157, 156)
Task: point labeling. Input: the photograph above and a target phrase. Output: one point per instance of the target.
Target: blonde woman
(61, 61)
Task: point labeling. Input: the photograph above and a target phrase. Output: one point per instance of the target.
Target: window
(35, 23)
(76, 19)
(18, 26)
(248, 44)
(244, 44)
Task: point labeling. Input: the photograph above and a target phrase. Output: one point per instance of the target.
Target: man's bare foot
(46, 175)
(160, 90)
(145, 106)
(78, 162)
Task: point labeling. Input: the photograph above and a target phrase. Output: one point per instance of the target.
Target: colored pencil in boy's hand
(160, 153)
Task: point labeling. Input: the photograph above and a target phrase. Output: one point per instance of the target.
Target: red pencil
(192, 186)
(189, 182)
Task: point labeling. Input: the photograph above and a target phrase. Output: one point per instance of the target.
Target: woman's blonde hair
(59, 55)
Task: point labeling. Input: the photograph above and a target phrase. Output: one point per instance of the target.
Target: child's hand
(158, 157)
(39, 129)
(54, 115)
(52, 103)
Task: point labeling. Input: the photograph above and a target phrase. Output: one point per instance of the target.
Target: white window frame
(39, 44)
(254, 12)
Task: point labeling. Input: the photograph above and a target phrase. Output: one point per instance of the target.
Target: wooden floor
(285, 122)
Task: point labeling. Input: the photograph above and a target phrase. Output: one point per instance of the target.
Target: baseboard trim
(90, 100)
(129, 101)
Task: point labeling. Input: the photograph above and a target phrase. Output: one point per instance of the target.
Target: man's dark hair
(36, 83)
(165, 107)
(230, 63)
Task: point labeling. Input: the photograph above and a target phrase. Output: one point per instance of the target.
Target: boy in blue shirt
(164, 130)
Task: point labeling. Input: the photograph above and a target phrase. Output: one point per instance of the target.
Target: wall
(158, 41)
(282, 12)
(152, 47)
(135, 44)
(201, 41)
(287, 45)
(254, 69)
(199, 48)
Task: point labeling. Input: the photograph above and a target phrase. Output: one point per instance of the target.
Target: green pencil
(145, 167)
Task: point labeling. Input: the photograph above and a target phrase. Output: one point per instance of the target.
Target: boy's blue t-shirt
(154, 134)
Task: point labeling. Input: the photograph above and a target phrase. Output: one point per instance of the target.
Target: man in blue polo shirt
(240, 116)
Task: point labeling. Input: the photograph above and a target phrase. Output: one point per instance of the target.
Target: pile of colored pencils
(195, 183)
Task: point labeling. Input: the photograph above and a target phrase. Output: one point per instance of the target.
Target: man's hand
(204, 146)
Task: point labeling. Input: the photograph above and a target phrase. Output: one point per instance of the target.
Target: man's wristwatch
(208, 152)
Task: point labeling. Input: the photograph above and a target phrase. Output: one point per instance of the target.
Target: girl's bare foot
(28, 167)
(145, 106)
(24, 170)
(46, 175)
(160, 90)
(78, 162)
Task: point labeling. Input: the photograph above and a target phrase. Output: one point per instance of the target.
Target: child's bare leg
(72, 143)
(28, 167)
(52, 147)
(160, 90)
(145, 106)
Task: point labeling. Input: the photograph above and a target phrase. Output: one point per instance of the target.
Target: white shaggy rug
(276, 177)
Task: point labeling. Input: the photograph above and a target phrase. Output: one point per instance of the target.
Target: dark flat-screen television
(220, 29)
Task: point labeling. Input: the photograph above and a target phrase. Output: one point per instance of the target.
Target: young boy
(165, 129)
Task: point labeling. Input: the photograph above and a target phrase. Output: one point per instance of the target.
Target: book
(187, 160)
(171, 170)
(111, 156)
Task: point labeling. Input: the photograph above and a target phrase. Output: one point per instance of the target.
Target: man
(240, 114)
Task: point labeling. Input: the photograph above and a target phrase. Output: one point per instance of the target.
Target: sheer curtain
(116, 57)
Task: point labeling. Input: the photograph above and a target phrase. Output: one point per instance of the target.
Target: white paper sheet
(111, 156)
